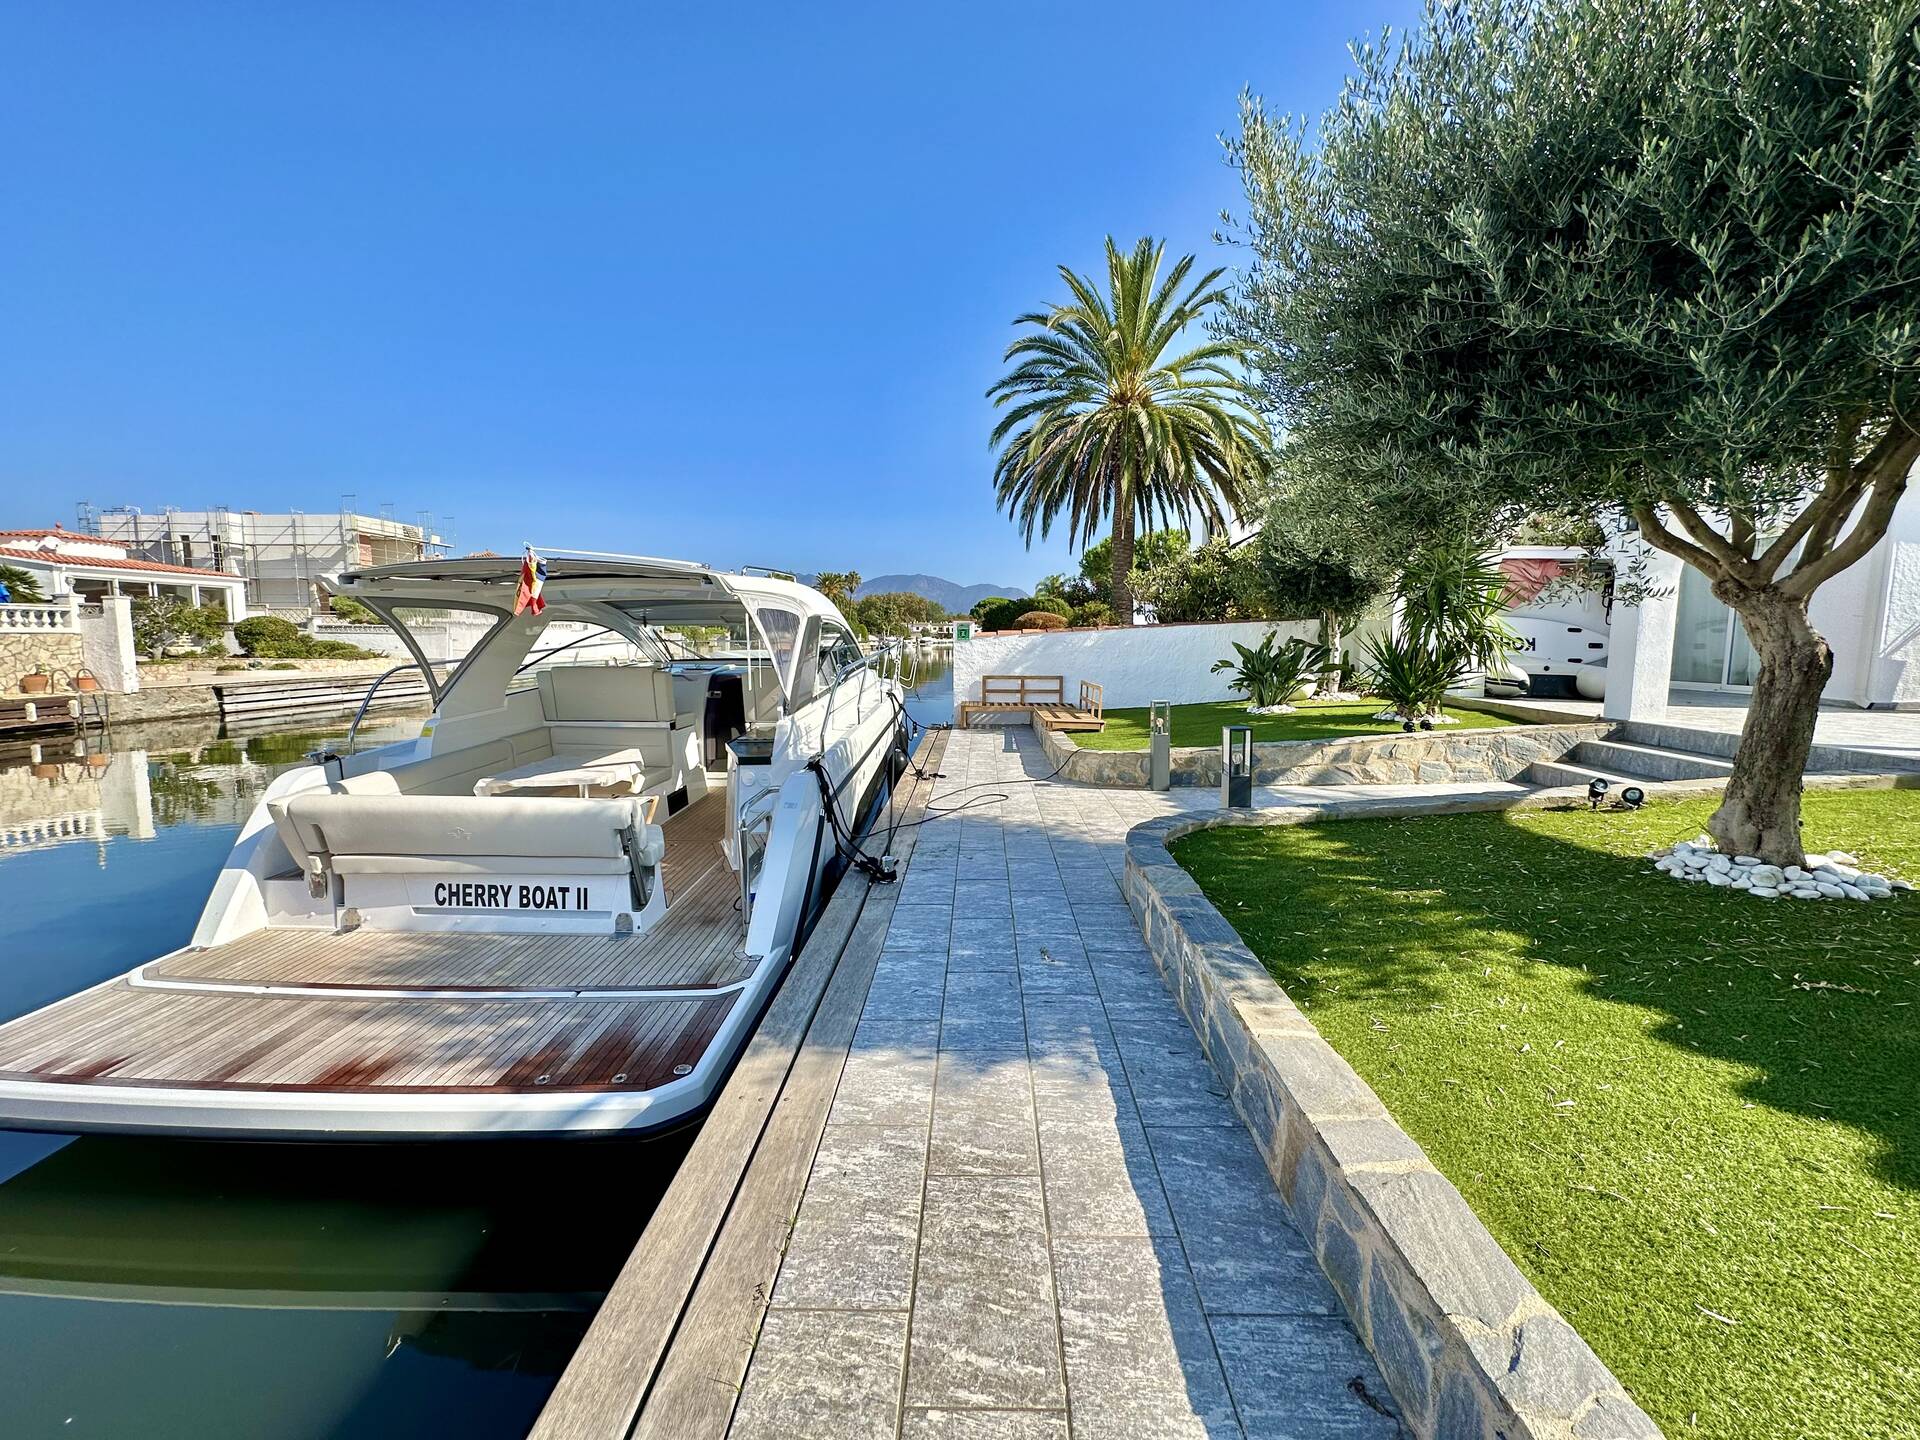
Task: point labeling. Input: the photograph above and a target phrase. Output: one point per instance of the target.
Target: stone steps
(1559, 773)
(1649, 762)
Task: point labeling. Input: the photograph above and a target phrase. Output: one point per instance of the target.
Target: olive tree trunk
(1123, 564)
(1760, 813)
(1330, 637)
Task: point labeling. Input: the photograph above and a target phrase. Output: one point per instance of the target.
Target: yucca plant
(1453, 598)
(1413, 674)
(1270, 676)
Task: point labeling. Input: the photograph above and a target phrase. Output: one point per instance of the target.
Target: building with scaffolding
(281, 557)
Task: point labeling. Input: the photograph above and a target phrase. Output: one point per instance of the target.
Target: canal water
(166, 1288)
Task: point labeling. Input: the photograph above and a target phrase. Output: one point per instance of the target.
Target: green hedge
(270, 637)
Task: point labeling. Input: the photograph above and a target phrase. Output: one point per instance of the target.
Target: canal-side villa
(1683, 645)
(90, 569)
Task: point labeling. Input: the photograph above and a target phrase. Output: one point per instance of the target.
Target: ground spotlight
(1633, 797)
(1596, 792)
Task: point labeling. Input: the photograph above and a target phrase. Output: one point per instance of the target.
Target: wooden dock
(975, 1177)
(254, 700)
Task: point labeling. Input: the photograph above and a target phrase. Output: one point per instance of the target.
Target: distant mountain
(957, 598)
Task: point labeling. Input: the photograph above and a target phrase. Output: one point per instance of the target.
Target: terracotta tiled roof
(54, 557)
(57, 533)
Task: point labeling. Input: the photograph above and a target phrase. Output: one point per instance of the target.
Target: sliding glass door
(1710, 646)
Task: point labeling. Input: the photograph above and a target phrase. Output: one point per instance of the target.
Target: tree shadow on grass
(1454, 914)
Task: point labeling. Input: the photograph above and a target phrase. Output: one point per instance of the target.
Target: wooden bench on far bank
(1042, 696)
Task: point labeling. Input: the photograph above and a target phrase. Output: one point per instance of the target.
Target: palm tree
(1103, 422)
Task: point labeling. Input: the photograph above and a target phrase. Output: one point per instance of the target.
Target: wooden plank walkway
(998, 1195)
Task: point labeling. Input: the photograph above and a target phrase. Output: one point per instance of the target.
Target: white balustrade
(38, 619)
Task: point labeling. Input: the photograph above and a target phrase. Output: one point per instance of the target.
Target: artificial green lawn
(1328, 720)
(1692, 1117)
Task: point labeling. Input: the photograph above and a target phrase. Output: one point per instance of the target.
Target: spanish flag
(533, 578)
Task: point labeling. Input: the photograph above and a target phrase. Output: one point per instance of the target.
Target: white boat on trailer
(561, 910)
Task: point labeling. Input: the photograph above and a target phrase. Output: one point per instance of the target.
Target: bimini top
(623, 592)
(678, 587)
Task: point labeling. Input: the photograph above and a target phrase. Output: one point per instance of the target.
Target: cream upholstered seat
(464, 834)
(610, 694)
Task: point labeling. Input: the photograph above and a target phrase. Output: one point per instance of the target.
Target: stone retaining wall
(1425, 758)
(21, 653)
(1470, 1349)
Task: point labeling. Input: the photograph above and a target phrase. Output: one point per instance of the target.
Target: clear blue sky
(717, 281)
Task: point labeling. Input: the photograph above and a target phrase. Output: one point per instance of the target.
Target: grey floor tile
(853, 1245)
(1100, 1174)
(1055, 969)
(824, 1373)
(1303, 1377)
(1133, 994)
(1140, 1358)
(1246, 1255)
(888, 1076)
(1040, 948)
(1171, 1080)
(984, 1425)
(983, 1116)
(978, 938)
(985, 1331)
(907, 985)
(920, 927)
(974, 895)
(985, 995)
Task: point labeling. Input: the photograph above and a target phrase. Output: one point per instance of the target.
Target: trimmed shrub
(268, 635)
(1041, 620)
(1094, 612)
(272, 637)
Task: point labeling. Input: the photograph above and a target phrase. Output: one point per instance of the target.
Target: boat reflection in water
(165, 1288)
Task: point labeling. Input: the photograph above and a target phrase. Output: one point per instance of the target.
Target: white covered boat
(561, 909)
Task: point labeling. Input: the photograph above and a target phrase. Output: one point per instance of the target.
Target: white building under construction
(281, 557)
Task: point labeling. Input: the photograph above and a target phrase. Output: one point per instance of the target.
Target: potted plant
(85, 681)
(36, 682)
(1270, 677)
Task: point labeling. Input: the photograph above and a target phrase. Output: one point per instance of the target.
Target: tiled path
(1033, 1215)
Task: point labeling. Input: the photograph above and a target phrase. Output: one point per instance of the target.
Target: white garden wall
(1135, 666)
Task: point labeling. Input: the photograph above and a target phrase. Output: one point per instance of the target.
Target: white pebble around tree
(1834, 876)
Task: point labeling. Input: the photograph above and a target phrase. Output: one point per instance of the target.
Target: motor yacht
(560, 910)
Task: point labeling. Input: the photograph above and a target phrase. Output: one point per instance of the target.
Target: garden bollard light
(1236, 767)
(1159, 744)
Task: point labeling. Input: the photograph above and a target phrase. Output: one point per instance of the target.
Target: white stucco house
(91, 569)
(1684, 646)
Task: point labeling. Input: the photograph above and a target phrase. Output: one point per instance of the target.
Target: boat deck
(386, 1012)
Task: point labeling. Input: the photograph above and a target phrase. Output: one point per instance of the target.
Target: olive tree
(1653, 262)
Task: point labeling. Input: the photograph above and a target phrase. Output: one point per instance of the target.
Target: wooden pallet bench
(1044, 697)
(1089, 715)
(1000, 693)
